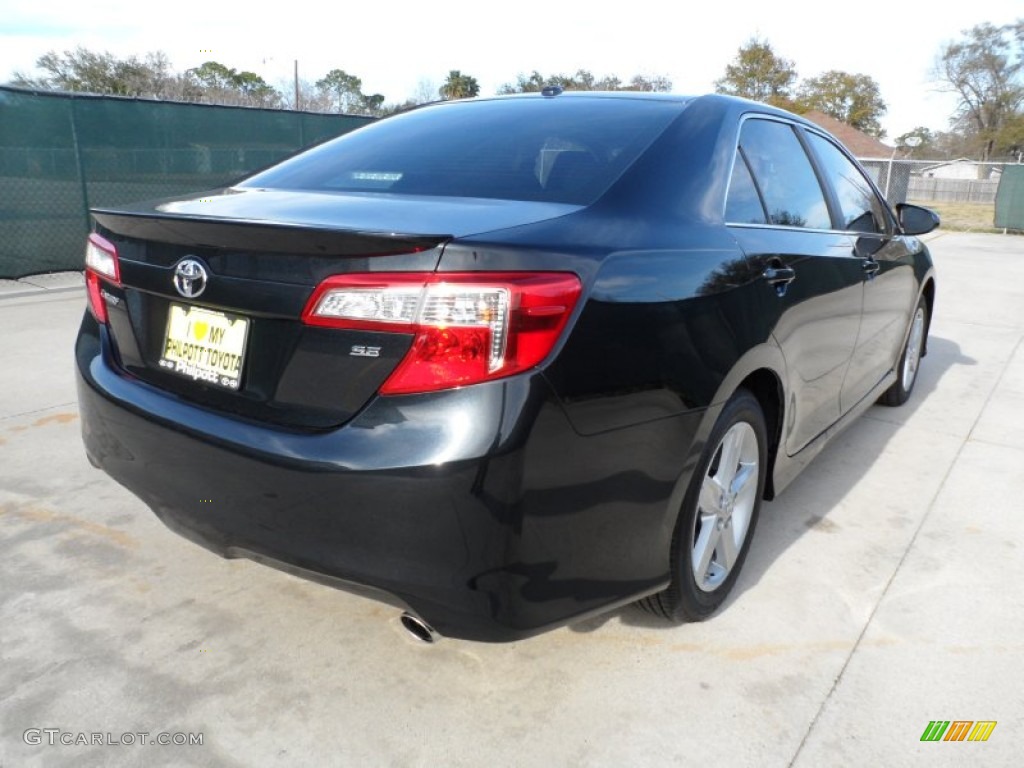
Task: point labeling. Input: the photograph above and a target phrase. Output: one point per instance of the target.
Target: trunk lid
(263, 252)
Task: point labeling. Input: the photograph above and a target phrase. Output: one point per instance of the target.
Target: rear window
(564, 150)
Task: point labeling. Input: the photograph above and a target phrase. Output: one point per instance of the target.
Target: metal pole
(79, 162)
(888, 175)
(297, 105)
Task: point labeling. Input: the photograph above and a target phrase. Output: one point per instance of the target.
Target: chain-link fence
(61, 154)
(891, 178)
(935, 181)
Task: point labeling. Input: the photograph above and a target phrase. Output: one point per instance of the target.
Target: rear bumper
(480, 509)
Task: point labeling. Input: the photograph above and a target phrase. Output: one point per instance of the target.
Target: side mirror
(916, 220)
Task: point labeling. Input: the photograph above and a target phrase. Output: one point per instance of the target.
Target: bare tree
(151, 76)
(984, 70)
(656, 84)
(88, 71)
(425, 92)
(584, 80)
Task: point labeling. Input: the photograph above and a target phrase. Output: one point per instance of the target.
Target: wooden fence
(952, 190)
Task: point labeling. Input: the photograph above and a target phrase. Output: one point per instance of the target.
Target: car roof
(724, 103)
(625, 95)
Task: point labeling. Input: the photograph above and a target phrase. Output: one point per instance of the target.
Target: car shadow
(858, 448)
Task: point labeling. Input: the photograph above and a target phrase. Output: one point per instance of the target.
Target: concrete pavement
(35, 284)
(882, 592)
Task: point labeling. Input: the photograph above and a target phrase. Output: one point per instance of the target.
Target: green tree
(854, 99)
(984, 70)
(926, 148)
(344, 93)
(459, 86)
(213, 75)
(256, 90)
(373, 104)
(1010, 139)
(216, 83)
(927, 136)
(760, 74)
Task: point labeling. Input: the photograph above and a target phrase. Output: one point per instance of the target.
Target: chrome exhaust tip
(419, 629)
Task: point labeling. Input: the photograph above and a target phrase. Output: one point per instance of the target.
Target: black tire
(913, 351)
(685, 599)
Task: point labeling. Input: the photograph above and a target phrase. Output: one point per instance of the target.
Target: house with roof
(961, 168)
(860, 144)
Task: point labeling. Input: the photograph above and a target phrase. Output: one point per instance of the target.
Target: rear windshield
(564, 150)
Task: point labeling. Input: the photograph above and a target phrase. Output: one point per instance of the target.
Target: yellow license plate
(204, 345)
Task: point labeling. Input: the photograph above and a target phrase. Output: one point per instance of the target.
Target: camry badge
(190, 278)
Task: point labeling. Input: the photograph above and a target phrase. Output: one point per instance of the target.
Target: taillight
(469, 326)
(100, 264)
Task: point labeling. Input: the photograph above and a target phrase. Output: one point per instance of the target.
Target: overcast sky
(395, 46)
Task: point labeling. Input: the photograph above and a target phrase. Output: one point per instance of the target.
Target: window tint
(861, 209)
(566, 150)
(791, 191)
(744, 204)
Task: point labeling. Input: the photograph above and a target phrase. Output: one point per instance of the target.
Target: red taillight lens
(469, 326)
(100, 264)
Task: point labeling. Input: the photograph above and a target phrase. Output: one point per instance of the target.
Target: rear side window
(860, 208)
(565, 150)
(792, 194)
(743, 205)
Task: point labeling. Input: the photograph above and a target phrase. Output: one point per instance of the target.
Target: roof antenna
(550, 91)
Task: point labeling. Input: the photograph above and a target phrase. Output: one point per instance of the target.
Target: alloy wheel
(725, 507)
(913, 356)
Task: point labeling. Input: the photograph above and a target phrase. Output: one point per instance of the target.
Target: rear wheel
(910, 360)
(719, 514)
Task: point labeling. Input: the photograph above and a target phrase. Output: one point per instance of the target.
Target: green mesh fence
(61, 154)
(1010, 198)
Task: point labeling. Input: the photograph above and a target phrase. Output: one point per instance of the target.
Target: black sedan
(505, 363)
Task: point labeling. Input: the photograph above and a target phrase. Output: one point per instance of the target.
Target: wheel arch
(762, 371)
(928, 292)
(766, 386)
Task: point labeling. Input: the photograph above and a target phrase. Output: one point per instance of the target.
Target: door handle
(870, 267)
(779, 276)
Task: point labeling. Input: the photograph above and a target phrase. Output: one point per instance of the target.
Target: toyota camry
(504, 363)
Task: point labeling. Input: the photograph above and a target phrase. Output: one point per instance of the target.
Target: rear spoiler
(242, 234)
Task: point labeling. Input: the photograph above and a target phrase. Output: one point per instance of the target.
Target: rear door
(810, 292)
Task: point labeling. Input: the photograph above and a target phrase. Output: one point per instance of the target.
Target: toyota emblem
(190, 278)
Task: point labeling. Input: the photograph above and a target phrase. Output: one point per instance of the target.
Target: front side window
(859, 206)
(792, 194)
